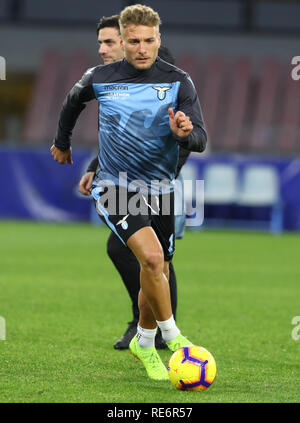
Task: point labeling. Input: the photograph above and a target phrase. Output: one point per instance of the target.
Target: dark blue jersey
(134, 131)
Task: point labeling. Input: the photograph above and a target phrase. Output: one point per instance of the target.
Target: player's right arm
(74, 103)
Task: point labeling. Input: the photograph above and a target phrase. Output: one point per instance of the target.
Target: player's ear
(121, 37)
(122, 45)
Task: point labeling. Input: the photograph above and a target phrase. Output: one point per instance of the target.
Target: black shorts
(126, 212)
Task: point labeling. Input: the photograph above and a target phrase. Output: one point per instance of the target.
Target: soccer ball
(192, 368)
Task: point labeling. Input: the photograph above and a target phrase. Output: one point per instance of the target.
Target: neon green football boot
(151, 360)
(178, 342)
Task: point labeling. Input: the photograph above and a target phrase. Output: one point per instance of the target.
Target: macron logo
(116, 87)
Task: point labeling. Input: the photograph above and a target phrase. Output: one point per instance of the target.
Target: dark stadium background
(239, 56)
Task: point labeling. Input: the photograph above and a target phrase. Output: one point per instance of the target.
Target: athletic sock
(146, 337)
(168, 328)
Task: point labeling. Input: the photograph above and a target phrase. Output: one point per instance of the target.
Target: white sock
(169, 329)
(146, 337)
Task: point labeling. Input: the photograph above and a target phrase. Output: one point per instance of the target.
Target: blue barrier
(288, 209)
(35, 187)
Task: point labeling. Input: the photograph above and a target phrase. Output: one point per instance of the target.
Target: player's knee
(153, 261)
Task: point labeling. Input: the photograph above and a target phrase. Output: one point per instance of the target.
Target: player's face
(110, 45)
(141, 44)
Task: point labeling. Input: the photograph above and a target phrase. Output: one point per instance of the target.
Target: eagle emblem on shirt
(161, 92)
(123, 223)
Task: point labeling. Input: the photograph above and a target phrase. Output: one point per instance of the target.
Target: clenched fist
(61, 157)
(180, 124)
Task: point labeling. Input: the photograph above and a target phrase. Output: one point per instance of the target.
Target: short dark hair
(165, 54)
(108, 22)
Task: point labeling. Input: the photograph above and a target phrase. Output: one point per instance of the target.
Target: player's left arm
(187, 123)
(92, 167)
(85, 183)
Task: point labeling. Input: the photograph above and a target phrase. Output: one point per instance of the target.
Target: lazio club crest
(123, 223)
(161, 92)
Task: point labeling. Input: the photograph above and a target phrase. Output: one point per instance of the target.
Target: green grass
(65, 306)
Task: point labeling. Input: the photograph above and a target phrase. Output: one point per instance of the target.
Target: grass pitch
(64, 307)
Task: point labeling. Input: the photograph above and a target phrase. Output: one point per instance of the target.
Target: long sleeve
(93, 165)
(190, 105)
(182, 158)
(73, 105)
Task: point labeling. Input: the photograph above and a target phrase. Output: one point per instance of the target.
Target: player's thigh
(146, 246)
(123, 224)
(163, 225)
